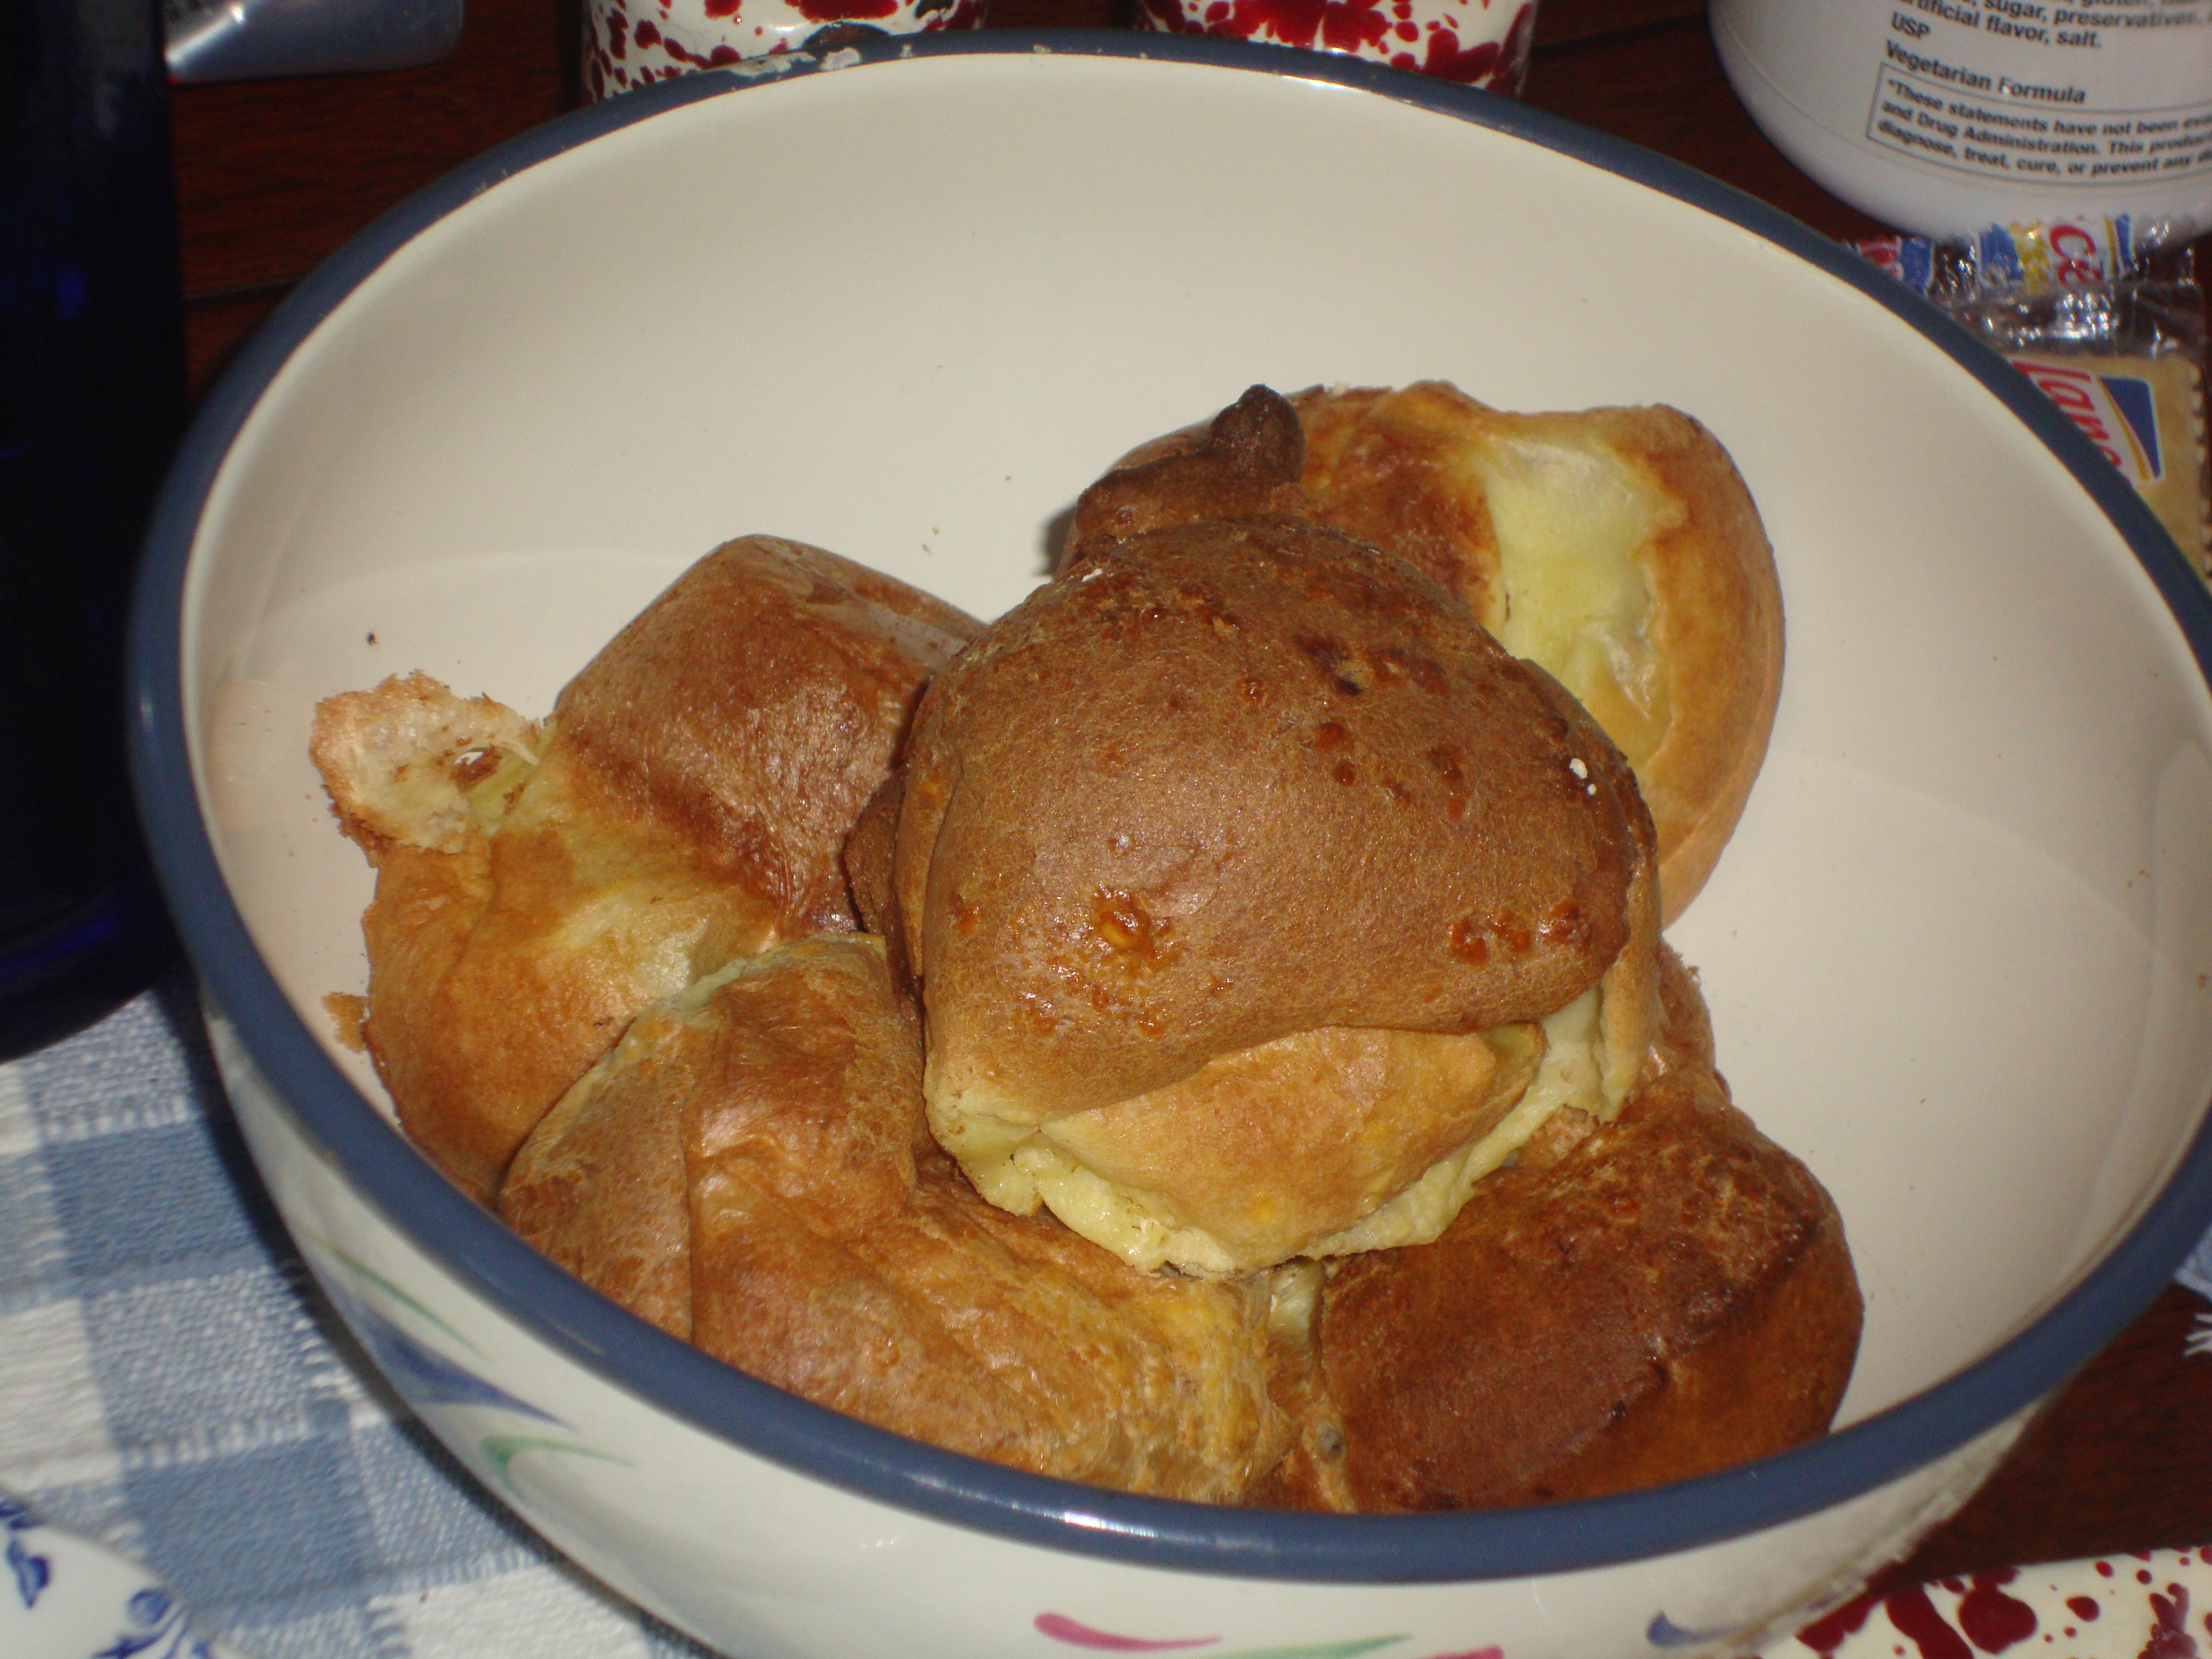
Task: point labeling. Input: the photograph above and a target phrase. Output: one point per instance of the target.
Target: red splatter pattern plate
(2122, 1607)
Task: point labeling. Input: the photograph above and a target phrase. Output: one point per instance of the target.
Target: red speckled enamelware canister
(633, 43)
(1481, 43)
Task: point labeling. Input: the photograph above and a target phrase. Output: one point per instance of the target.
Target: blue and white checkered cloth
(172, 1385)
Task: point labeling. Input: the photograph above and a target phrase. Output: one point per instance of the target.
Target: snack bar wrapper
(2106, 318)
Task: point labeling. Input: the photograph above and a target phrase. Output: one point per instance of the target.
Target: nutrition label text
(1941, 93)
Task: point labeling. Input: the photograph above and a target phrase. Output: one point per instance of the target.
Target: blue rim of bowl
(1035, 1509)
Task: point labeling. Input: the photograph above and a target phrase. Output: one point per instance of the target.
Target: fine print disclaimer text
(1934, 97)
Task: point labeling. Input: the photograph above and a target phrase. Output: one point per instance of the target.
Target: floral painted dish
(65, 1597)
(2131, 1606)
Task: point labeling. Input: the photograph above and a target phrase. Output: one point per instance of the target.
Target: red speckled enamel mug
(1481, 43)
(634, 43)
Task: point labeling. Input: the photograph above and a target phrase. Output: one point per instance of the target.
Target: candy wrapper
(2106, 317)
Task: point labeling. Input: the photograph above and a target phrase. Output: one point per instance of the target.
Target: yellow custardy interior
(1570, 520)
(1106, 1174)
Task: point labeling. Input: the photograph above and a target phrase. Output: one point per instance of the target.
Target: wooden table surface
(273, 175)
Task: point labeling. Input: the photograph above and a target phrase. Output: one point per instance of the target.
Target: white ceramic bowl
(1958, 954)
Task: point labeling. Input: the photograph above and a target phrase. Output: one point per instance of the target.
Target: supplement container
(1944, 116)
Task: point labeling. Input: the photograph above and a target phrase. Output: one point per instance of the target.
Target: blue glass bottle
(92, 400)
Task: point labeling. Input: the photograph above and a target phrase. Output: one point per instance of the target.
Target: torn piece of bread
(749, 1168)
(685, 803)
